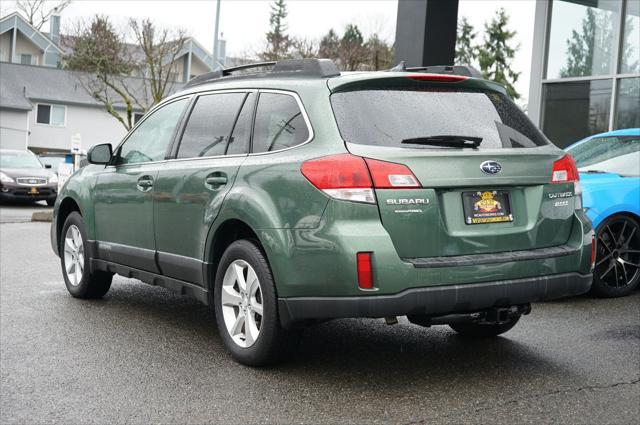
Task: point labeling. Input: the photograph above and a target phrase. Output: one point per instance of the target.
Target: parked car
(301, 194)
(609, 165)
(24, 178)
(53, 159)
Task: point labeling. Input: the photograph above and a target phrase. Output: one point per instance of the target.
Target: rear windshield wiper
(449, 141)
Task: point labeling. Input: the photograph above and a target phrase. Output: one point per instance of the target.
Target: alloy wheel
(73, 255)
(242, 303)
(618, 253)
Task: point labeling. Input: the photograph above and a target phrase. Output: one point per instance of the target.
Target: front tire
(482, 330)
(80, 281)
(246, 307)
(617, 270)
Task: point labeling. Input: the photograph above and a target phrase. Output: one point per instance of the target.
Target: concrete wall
(13, 129)
(24, 45)
(93, 124)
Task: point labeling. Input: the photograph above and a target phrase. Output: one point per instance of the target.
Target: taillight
(389, 175)
(442, 78)
(342, 176)
(365, 271)
(353, 178)
(564, 170)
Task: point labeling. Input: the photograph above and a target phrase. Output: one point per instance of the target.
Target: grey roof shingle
(21, 83)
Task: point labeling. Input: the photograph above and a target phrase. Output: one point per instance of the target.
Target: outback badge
(491, 167)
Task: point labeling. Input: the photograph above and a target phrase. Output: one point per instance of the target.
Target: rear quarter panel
(606, 195)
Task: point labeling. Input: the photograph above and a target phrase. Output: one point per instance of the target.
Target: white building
(42, 107)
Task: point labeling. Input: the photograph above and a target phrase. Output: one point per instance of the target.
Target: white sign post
(76, 150)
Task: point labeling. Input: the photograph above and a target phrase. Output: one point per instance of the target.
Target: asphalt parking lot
(146, 355)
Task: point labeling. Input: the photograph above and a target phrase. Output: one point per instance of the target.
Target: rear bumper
(437, 300)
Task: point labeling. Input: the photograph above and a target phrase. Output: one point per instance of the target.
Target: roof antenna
(401, 67)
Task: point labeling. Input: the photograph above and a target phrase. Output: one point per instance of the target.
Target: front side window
(150, 140)
(619, 154)
(279, 123)
(51, 114)
(418, 118)
(210, 123)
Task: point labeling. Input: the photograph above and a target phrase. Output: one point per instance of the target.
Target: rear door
(493, 198)
(123, 194)
(191, 188)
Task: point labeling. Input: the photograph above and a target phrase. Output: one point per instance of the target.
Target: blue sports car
(609, 166)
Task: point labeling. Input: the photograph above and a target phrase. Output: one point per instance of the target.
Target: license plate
(487, 206)
(33, 191)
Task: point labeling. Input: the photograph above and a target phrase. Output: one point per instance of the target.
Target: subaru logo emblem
(491, 167)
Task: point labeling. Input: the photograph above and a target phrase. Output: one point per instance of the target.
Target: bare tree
(160, 49)
(38, 12)
(102, 62)
(120, 75)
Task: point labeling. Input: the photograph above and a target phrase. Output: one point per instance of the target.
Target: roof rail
(318, 68)
(466, 70)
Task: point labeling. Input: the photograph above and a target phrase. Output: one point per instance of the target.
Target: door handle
(215, 181)
(145, 183)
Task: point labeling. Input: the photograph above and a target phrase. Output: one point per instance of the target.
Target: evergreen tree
(329, 46)
(379, 54)
(466, 49)
(496, 54)
(352, 51)
(278, 42)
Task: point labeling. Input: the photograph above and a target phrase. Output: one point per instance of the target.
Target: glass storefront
(628, 103)
(582, 38)
(575, 110)
(591, 75)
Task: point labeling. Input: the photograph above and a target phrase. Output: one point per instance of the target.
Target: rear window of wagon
(387, 117)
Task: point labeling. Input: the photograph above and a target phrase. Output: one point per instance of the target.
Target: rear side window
(389, 117)
(209, 126)
(279, 123)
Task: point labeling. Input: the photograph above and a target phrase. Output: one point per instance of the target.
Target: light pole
(216, 48)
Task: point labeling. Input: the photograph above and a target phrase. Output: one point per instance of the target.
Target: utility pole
(216, 48)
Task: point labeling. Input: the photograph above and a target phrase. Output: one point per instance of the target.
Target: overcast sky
(245, 22)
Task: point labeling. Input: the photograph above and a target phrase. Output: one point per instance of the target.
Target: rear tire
(81, 282)
(246, 307)
(480, 330)
(617, 271)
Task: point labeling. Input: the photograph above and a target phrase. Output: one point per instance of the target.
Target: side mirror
(47, 166)
(100, 154)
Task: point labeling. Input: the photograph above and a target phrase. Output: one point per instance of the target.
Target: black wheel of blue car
(617, 270)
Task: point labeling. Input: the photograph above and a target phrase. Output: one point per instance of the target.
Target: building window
(628, 103)
(137, 116)
(630, 54)
(574, 110)
(582, 38)
(26, 59)
(51, 114)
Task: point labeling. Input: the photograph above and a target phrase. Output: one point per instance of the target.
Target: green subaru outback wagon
(287, 193)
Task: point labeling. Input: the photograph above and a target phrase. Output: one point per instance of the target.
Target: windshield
(387, 117)
(18, 160)
(619, 154)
